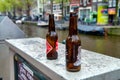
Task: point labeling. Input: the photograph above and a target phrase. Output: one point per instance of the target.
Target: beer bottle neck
(73, 25)
(51, 23)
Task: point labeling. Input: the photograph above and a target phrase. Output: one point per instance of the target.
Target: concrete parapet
(94, 66)
(113, 30)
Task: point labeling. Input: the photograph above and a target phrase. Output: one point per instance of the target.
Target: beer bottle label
(49, 47)
(78, 61)
(57, 45)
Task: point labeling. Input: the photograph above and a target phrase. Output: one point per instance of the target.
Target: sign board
(102, 18)
(111, 11)
(26, 71)
(74, 2)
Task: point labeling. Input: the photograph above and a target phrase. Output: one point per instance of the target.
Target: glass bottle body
(52, 44)
(73, 46)
(73, 53)
(51, 40)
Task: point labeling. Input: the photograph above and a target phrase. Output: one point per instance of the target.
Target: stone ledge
(95, 66)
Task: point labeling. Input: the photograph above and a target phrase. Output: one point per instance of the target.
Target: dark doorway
(111, 17)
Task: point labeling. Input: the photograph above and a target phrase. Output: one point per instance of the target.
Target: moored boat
(91, 29)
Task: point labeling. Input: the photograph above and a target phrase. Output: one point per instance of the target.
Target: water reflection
(109, 45)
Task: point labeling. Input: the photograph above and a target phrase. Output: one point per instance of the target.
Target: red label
(57, 45)
(49, 47)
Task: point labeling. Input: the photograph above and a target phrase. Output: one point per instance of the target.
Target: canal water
(109, 45)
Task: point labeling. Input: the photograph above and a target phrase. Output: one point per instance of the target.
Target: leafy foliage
(23, 5)
(14, 5)
(4, 6)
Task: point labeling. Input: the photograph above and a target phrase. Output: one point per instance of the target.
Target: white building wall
(100, 0)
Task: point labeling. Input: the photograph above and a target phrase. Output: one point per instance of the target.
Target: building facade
(119, 8)
(44, 8)
(84, 7)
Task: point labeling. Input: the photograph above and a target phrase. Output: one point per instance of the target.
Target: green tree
(9, 5)
(4, 6)
(28, 5)
(16, 5)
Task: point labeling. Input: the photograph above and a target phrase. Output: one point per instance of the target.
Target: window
(81, 2)
(94, 0)
(84, 2)
(54, 7)
(114, 3)
(68, 9)
(88, 1)
(110, 3)
(40, 10)
(84, 12)
(60, 6)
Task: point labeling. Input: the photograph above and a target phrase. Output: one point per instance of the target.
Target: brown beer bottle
(51, 40)
(73, 46)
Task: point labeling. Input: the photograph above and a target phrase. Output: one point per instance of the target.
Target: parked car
(24, 18)
(35, 18)
(18, 17)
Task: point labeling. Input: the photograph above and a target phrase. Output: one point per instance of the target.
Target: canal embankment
(113, 30)
(109, 30)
